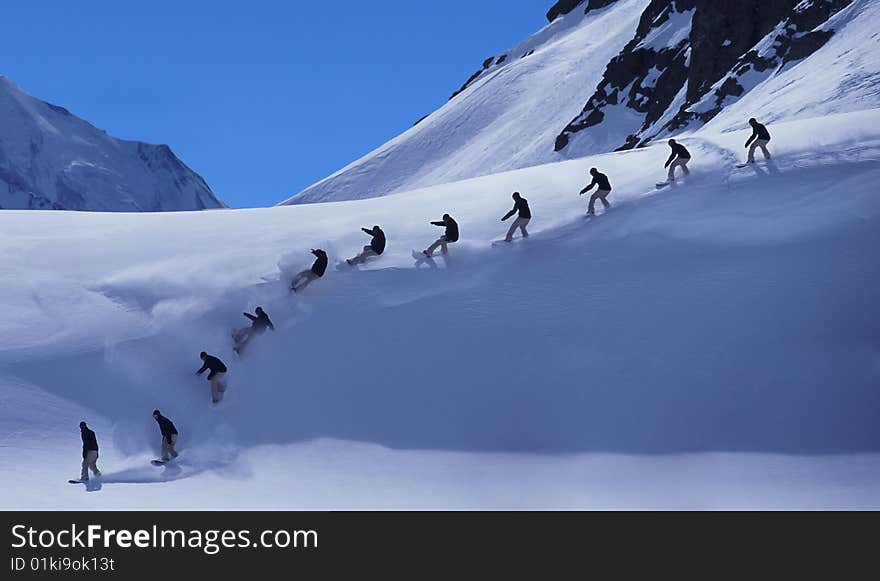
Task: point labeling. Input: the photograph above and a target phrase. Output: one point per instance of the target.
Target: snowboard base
(159, 462)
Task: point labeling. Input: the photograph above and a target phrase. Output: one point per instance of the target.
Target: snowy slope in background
(646, 69)
(710, 345)
(506, 119)
(843, 76)
(51, 159)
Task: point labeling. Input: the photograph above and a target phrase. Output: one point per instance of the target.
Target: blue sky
(262, 98)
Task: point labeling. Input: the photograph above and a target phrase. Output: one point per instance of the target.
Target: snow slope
(507, 119)
(639, 65)
(711, 345)
(843, 76)
(53, 160)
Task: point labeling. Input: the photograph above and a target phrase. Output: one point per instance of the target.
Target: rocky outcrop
(686, 50)
(563, 7)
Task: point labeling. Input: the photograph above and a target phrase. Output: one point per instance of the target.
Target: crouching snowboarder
(375, 248)
(169, 436)
(448, 237)
(260, 322)
(89, 452)
(217, 377)
(600, 181)
(760, 138)
(524, 216)
(305, 278)
(679, 158)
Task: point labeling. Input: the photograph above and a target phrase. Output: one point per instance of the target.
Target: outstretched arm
(588, 188)
(438, 223)
(271, 326)
(250, 316)
(752, 138)
(202, 370)
(367, 231)
(668, 161)
(509, 214)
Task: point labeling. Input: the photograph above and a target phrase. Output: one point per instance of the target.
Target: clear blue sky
(262, 98)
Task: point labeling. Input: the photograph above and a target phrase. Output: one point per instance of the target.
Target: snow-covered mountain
(616, 74)
(51, 159)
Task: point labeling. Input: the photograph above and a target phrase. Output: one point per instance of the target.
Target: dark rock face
(726, 39)
(565, 6)
(792, 38)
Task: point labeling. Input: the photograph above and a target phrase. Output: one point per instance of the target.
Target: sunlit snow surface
(710, 345)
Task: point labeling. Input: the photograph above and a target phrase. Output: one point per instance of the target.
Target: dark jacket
(600, 180)
(320, 265)
(678, 150)
(758, 132)
(215, 365)
(90, 442)
(520, 205)
(167, 428)
(260, 322)
(451, 233)
(378, 241)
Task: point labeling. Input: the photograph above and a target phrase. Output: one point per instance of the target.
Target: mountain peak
(52, 159)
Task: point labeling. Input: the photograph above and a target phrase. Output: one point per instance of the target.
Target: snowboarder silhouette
(679, 158)
(520, 207)
(169, 436)
(600, 180)
(448, 237)
(89, 452)
(260, 322)
(760, 138)
(375, 248)
(305, 277)
(216, 377)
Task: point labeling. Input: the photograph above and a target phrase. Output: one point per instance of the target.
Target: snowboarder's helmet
(752, 121)
(445, 216)
(203, 354)
(259, 309)
(594, 171)
(515, 194)
(82, 424)
(156, 413)
(671, 142)
(376, 228)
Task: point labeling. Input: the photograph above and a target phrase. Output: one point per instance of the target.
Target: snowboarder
(602, 191)
(305, 278)
(260, 322)
(520, 207)
(679, 158)
(448, 237)
(375, 248)
(760, 138)
(169, 436)
(90, 452)
(216, 377)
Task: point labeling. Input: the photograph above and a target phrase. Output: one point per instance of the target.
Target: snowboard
(661, 185)
(159, 462)
(742, 165)
(71, 481)
(504, 242)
